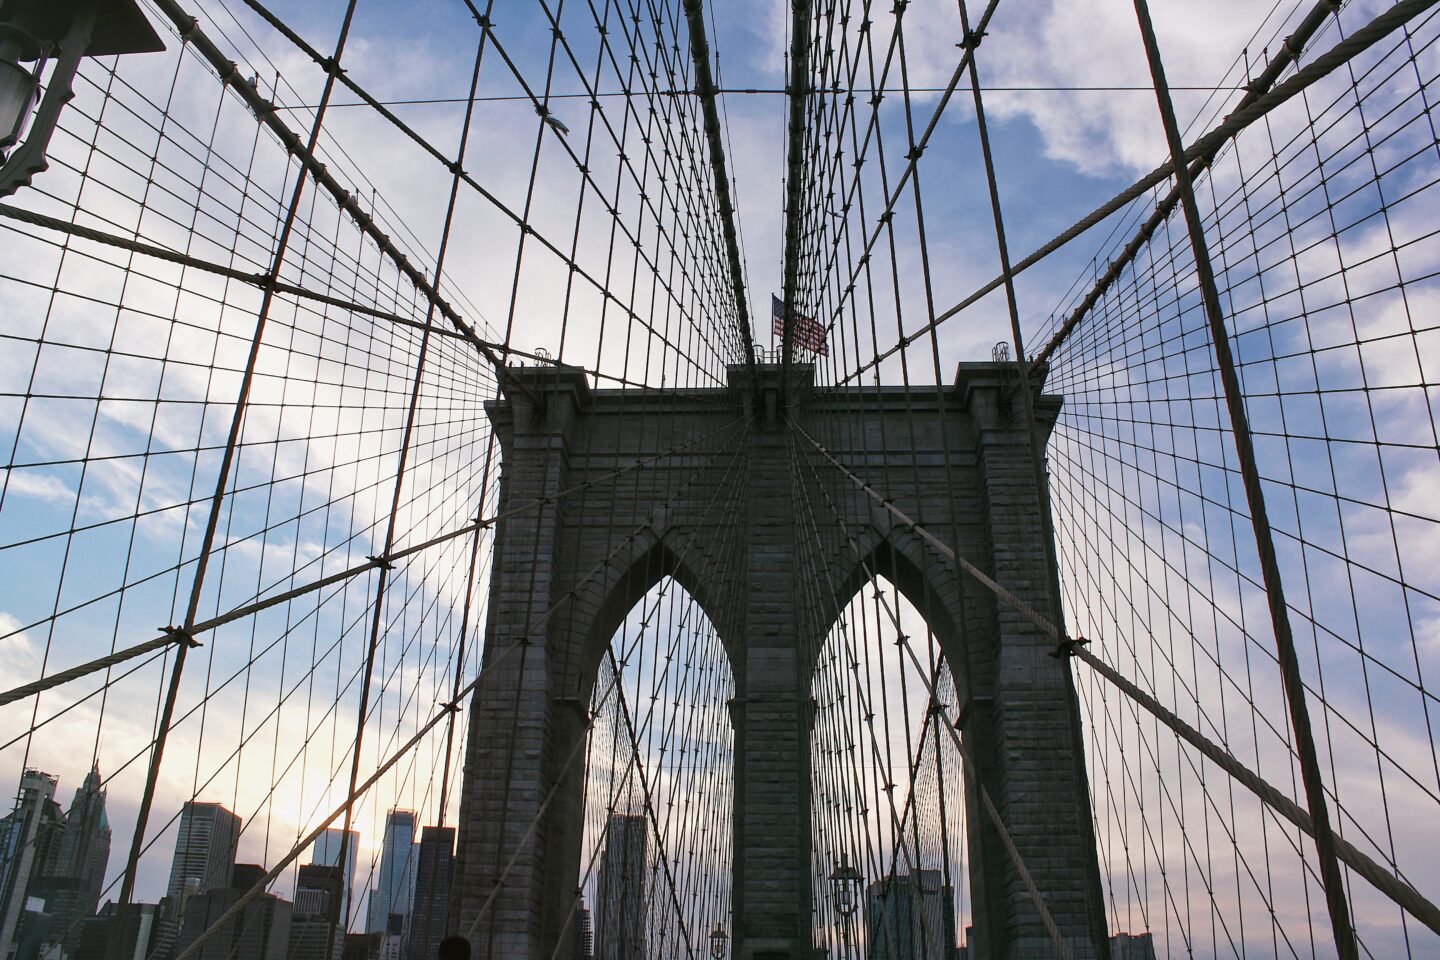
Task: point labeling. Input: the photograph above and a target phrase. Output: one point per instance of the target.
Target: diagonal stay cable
(454, 167)
(1397, 890)
(705, 88)
(230, 75)
(227, 462)
(1322, 66)
(259, 280)
(559, 779)
(1288, 54)
(1294, 687)
(499, 657)
(172, 635)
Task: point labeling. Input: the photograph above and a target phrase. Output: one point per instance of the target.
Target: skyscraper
(393, 889)
(620, 907)
(204, 850)
(313, 934)
(1132, 946)
(71, 891)
(29, 848)
(392, 941)
(261, 931)
(362, 946)
(317, 887)
(584, 932)
(910, 916)
(430, 915)
(131, 932)
(326, 850)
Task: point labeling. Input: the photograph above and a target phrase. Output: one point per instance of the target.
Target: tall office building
(261, 931)
(910, 917)
(85, 844)
(327, 849)
(204, 850)
(317, 887)
(392, 941)
(1132, 946)
(313, 933)
(362, 946)
(430, 911)
(71, 891)
(584, 932)
(393, 890)
(620, 906)
(29, 849)
(135, 930)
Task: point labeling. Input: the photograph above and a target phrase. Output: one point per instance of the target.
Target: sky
(1073, 121)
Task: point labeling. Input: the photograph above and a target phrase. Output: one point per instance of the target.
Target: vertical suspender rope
(1397, 889)
(1334, 881)
(1050, 589)
(795, 164)
(147, 799)
(1286, 56)
(705, 89)
(386, 565)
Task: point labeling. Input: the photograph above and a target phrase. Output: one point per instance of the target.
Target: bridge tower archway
(605, 492)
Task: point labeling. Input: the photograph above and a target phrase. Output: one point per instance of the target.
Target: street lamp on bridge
(719, 940)
(39, 31)
(845, 883)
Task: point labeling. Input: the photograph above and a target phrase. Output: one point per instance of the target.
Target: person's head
(454, 948)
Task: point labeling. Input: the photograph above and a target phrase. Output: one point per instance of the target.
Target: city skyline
(152, 884)
(52, 863)
(73, 890)
(61, 858)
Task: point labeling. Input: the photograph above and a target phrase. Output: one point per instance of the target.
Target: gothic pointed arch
(642, 560)
(928, 580)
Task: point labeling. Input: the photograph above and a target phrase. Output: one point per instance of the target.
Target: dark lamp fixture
(18, 91)
(718, 941)
(845, 883)
(61, 32)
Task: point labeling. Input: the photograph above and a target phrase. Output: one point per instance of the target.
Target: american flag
(809, 335)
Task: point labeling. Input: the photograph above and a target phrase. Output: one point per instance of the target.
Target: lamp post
(719, 940)
(845, 883)
(61, 32)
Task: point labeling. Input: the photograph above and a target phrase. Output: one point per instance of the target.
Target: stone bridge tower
(566, 572)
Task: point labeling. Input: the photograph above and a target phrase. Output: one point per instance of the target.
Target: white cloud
(17, 651)
(42, 486)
